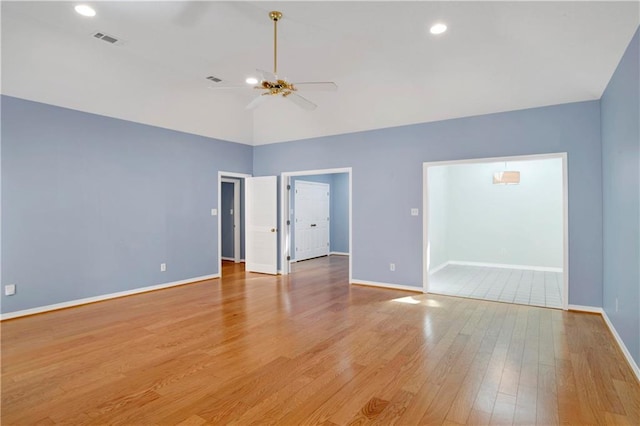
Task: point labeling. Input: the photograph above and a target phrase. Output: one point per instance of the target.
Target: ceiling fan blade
(257, 101)
(267, 76)
(327, 86)
(301, 102)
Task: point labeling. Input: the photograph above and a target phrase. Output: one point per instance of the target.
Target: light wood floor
(308, 349)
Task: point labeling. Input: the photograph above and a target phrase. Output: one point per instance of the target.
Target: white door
(261, 211)
(311, 220)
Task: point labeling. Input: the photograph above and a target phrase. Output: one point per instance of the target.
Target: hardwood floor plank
(629, 396)
(547, 398)
(489, 388)
(364, 398)
(445, 400)
(192, 421)
(568, 406)
(310, 399)
(310, 349)
(503, 410)
(393, 412)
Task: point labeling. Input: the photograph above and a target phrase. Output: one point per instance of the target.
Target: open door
(261, 218)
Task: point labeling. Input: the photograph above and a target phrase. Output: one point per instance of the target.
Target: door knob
(273, 229)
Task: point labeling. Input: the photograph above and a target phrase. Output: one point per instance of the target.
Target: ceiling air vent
(214, 79)
(108, 38)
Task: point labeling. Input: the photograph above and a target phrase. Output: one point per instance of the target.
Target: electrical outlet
(214, 212)
(9, 289)
(415, 212)
(392, 266)
(163, 267)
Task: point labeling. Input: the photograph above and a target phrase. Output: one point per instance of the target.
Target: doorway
(496, 229)
(231, 232)
(231, 219)
(339, 225)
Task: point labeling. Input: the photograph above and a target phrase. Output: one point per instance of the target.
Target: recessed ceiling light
(85, 10)
(438, 28)
(252, 80)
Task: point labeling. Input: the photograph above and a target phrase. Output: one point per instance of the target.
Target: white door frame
(565, 212)
(236, 216)
(221, 176)
(285, 235)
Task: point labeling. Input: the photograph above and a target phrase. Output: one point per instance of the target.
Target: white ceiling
(496, 56)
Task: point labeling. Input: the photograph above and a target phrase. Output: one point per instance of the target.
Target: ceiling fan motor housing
(275, 15)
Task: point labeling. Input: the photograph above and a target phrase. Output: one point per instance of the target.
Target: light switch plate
(214, 212)
(415, 212)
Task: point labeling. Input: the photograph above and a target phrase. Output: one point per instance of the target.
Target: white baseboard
(589, 309)
(595, 310)
(505, 266)
(439, 267)
(623, 347)
(331, 253)
(356, 281)
(100, 298)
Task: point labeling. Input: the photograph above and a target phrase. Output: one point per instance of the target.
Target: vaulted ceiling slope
(495, 56)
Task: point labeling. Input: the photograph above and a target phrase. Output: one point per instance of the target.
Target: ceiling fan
(271, 85)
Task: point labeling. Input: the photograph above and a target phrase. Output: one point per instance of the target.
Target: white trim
(504, 266)
(333, 253)
(588, 309)
(232, 259)
(439, 267)
(319, 172)
(426, 249)
(356, 281)
(549, 156)
(623, 347)
(565, 232)
(285, 250)
(565, 211)
(103, 297)
(350, 224)
(285, 179)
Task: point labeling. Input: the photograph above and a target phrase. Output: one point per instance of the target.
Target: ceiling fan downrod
(275, 17)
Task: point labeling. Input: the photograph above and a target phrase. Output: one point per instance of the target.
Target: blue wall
(387, 182)
(96, 204)
(621, 197)
(92, 205)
